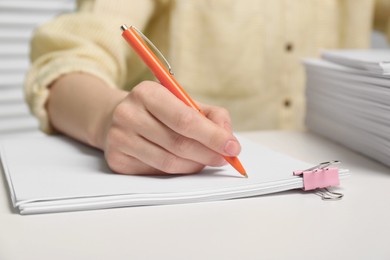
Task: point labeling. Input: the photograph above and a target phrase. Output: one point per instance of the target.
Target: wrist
(98, 129)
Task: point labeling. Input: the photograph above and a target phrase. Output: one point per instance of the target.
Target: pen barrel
(155, 65)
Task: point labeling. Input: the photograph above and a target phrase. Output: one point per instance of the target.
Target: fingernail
(232, 148)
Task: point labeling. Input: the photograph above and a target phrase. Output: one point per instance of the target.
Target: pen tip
(235, 162)
(238, 166)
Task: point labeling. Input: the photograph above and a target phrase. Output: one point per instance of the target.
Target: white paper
(374, 60)
(351, 104)
(51, 174)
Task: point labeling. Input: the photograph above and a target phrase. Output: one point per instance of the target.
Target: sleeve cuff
(37, 84)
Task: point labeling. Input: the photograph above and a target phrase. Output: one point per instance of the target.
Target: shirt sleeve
(89, 41)
(382, 17)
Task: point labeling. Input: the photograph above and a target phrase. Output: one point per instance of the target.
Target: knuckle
(140, 89)
(116, 162)
(124, 113)
(143, 90)
(169, 164)
(224, 112)
(119, 112)
(184, 121)
(182, 144)
(113, 136)
(137, 94)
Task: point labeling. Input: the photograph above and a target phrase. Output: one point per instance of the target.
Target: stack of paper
(348, 100)
(53, 174)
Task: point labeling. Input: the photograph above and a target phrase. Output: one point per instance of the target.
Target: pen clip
(146, 39)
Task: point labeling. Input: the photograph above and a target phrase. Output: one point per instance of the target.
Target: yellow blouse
(242, 55)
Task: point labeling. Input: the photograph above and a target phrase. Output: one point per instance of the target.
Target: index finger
(190, 123)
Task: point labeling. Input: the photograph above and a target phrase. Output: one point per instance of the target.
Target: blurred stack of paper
(376, 61)
(348, 100)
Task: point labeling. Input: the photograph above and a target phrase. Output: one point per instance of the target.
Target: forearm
(80, 106)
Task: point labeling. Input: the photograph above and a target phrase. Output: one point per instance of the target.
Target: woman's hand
(145, 131)
(152, 131)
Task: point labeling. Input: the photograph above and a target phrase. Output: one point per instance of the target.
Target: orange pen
(136, 40)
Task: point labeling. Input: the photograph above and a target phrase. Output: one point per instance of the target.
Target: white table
(289, 225)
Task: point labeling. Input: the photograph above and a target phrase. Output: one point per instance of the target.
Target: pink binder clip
(320, 176)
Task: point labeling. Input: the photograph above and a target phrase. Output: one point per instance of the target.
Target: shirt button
(287, 102)
(289, 47)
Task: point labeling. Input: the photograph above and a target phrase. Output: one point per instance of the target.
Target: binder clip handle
(322, 165)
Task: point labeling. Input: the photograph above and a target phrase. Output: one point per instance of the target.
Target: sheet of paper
(374, 60)
(49, 174)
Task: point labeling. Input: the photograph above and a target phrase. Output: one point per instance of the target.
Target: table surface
(287, 225)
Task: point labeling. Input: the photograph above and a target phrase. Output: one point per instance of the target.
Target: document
(348, 100)
(56, 174)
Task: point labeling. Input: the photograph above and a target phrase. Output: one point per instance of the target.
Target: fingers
(138, 156)
(188, 122)
(157, 133)
(124, 164)
(152, 131)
